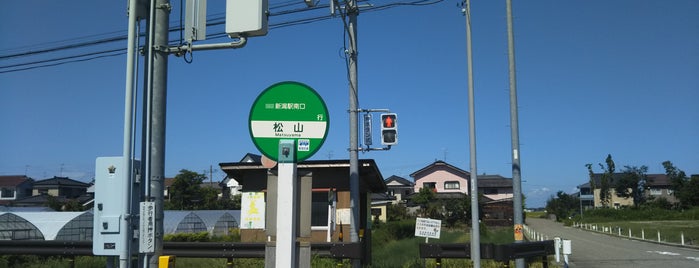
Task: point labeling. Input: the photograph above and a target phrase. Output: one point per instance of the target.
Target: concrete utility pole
(475, 227)
(352, 11)
(514, 123)
(155, 110)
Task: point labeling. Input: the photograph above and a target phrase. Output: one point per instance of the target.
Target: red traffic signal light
(389, 129)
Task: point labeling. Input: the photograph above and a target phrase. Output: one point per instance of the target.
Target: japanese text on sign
(429, 228)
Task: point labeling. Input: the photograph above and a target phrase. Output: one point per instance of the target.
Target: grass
(670, 231)
(647, 222)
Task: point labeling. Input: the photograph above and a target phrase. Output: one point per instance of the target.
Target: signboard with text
(289, 110)
(429, 228)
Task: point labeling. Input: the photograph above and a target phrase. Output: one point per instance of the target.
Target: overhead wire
(214, 20)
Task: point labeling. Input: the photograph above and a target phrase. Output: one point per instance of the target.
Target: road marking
(664, 253)
(693, 258)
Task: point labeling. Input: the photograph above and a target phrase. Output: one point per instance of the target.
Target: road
(599, 250)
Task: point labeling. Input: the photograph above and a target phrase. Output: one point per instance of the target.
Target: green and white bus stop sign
(289, 110)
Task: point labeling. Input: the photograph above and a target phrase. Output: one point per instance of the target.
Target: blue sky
(593, 78)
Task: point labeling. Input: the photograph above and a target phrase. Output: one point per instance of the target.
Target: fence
(651, 235)
(501, 253)
(230, 251)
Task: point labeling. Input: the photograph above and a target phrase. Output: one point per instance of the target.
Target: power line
(214, 20)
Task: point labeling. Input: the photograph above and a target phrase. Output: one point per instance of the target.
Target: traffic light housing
(389, 129)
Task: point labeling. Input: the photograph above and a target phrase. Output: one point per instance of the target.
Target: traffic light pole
(352, 12)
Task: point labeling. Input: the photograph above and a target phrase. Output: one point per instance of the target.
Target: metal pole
(125, 256)
(514, 123)
(475, 228)
(157, 144)
(352, 11)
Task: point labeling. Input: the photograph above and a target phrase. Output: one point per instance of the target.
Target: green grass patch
(670, 231)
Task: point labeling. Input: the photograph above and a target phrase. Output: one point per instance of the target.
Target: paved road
(599, 250)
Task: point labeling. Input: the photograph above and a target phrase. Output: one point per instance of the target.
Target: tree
(592, 177)
(562, 205)
(632, 184)
(678, 184)
(605, 182)
(425, 198)
(186, 192)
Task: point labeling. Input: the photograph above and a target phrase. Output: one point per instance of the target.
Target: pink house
(442, 178)
(446, 178)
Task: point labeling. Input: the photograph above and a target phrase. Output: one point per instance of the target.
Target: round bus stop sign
(289, 110)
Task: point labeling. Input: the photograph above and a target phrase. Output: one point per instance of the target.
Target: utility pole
(155, 110)
(352, 12)
(514, 123)
(475, 227)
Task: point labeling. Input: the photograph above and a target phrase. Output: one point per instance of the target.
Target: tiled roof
(440, 163)
(13, 180)
(399, 180)
(63, 181)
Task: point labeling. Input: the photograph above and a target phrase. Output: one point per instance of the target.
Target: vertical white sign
(147, 228)
(252, 210)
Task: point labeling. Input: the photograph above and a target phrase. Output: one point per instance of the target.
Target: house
(657, 185)
(399, 188)
(450, 182)
(231, 187)
(495, 187)
(379, 206)
(14, 187)
(60, 186)
(660, 186)
(441, 177)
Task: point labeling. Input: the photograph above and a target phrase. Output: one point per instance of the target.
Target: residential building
(14, 187)
(441, 177)
(450, 182)
(60, 186)
(399, 188)
(657, 186)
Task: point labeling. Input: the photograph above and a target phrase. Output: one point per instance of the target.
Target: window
(7, 193)
(319, 209)
(669, 191)
(656, 191)
(430, 185)
(490, 191)
(451, 185)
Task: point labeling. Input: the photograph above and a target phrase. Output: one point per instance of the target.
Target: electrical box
(111, 228)
(246, 17)
(567, 247)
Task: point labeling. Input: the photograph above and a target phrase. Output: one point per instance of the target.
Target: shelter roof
(326, 173)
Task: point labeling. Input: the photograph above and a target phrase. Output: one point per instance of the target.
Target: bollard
(643, 234)
(629, 232)
(567, 250)
(682, 237)
(619, 231)
(658, 235)
(166, 262)
(557, 248)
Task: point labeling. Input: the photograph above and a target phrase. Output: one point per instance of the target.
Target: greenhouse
(77, 226)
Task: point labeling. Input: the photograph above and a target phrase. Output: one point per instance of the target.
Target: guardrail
(501, 253)
(179, 249)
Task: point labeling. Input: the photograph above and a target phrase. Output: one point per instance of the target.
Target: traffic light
(389, 129)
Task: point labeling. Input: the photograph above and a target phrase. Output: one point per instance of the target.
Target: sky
(593, 78)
